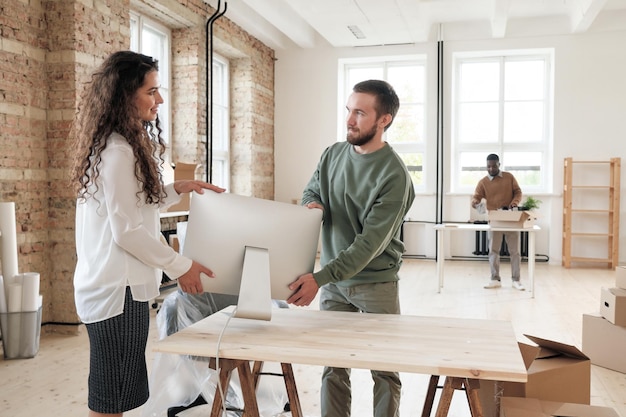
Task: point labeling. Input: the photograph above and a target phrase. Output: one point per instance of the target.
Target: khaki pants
(336, 393)
(512, 242)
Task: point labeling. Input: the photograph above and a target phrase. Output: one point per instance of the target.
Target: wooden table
(469, 349)
(452, 227)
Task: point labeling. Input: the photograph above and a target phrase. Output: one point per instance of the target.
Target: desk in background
(453, 227)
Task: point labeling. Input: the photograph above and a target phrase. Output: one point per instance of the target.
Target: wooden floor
(54, 382)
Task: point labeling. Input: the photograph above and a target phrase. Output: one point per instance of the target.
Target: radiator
(482, 244)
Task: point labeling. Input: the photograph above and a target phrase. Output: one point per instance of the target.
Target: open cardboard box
(556, 372)
(511, 218)
(532, 407)
(183, 171)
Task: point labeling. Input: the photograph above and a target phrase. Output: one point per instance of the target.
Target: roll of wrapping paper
(8, 241)
(12, 336)
(3, 296)
(29, 331)
(3, 306)
(30, 291)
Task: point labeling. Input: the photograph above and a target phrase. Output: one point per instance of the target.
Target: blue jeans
(336, 395)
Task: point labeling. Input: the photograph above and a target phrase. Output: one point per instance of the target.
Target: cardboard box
(556, 372)
(620, 278)
(613, 305)
(183, 171)
(511, 218)
(604, 342)
(532, 407)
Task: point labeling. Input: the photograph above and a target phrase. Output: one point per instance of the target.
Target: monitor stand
(255, 296)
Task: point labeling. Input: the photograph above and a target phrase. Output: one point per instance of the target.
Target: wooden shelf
(592, 187)
(591, 234)
(607, 186)
(590, 260)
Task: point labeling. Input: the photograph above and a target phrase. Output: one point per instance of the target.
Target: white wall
(589, 114)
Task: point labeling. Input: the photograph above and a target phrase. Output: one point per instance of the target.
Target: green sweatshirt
(365, 199)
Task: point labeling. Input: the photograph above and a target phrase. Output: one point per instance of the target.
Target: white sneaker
(494, 283)
(518, 286)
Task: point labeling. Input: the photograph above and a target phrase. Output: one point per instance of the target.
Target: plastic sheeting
(178, 380)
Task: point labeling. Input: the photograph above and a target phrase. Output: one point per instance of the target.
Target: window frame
(138, 24)
(502, 148)
(223, 90)
(384, 63)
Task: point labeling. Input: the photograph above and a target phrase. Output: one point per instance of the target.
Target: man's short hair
(493, 157)
(387, 101)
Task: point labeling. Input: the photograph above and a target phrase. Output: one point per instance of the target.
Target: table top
(483, 226)
(480, 349)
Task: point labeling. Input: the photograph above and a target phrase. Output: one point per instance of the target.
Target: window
(502, 104)
(150, 38)
(220, 171)
(407, 75)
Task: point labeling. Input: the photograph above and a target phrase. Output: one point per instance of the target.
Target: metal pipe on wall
(209, 89)
(440, 140)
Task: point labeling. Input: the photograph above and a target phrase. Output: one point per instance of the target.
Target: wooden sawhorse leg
(249, 382)
(227, 366)
(470, 386)
(290, 385)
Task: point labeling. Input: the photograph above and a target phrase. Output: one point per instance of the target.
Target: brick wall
(47, 51)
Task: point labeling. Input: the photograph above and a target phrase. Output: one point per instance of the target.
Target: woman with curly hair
(118, 154)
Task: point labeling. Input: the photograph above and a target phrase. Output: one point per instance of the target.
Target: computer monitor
(255, 247)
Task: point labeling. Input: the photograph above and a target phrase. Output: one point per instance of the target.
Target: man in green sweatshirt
(365, 191)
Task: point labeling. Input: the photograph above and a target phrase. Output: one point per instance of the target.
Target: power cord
(217, 363)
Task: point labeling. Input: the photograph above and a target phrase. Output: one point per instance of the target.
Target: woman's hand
(187, 186)
(190, 281)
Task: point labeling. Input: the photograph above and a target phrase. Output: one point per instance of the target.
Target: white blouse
(118, 241)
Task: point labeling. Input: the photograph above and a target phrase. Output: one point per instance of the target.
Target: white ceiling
(310, 23)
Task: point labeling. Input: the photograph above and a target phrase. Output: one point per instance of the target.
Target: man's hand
(190, 282)
(305, 289)
(480, 206)
(187, 186)
(315, 205)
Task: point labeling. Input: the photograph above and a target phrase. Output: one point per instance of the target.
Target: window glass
(524, 80)
(478, 122)
(523, 122)
(473, 168)
(152, 39)
(525, 166)
(479, 81)
(406, 125)
(414, 163)
(501, 105)
(220, 171)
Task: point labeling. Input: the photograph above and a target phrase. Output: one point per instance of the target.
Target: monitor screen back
(221, 225)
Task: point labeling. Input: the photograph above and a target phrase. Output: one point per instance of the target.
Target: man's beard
(362, 139)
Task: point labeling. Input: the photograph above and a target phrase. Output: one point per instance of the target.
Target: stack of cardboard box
(604, 333)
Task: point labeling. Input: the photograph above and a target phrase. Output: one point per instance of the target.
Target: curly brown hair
(106, 106)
